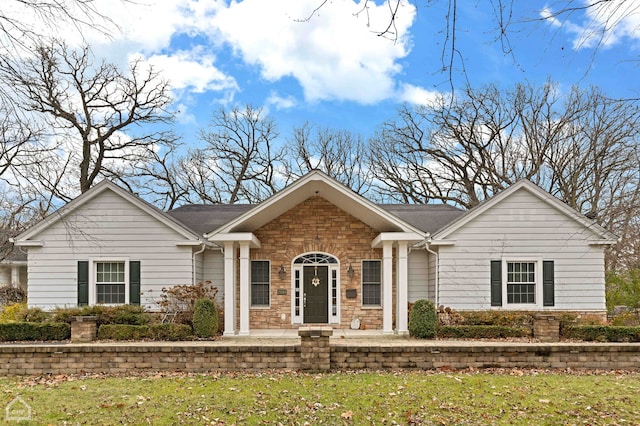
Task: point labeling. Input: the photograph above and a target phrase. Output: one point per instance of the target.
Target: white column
(15, 276)
(245, 293)
(387, 287)
(229, 289)
(402, 288)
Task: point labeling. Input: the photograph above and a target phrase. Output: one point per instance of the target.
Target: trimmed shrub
(423, 320)
(122, 332)
(482, 331)
(171, 332)
(602, 333)
(205, 318)
(505, 318)
(20, 331)
(129, 314)
(121, 314)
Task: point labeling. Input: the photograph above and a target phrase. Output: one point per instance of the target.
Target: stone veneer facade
(293, 234)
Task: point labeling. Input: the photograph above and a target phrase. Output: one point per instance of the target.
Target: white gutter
(427, 241)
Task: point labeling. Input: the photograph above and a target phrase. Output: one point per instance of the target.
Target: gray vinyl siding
(213, 270)
(522, 226)
(419, 276)
(108, 227)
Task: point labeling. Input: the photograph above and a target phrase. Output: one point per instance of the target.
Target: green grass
(497, 397)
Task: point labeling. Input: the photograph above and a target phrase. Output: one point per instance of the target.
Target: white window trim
(538, 283)
(93, 293)
(251, 305)
(378, 306)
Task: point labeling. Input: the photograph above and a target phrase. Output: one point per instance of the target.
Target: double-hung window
(522, 281)
(371, 282)
(110, 282)
(260, 282)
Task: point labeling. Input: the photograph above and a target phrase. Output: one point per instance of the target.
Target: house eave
(410, 237)
(443, 243)
(603, 242)
(28, 243)
(236, 237)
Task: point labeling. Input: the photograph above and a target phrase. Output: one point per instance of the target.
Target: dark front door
(316, 296)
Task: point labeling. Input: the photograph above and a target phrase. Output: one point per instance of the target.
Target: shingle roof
(203, 218)
(426, 217)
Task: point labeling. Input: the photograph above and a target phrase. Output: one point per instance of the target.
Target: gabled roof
(312, 184)
(606, 236)
(85, 198)
(203, 218)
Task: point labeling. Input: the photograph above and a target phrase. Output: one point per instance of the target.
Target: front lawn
(445, 397)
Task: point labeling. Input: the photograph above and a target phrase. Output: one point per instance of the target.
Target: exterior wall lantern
(350, 271)
(282, 273)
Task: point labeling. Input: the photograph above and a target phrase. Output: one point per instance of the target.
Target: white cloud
(418, 95)
(280, 102)
(335, 55)
(604, 23)
(189, 69)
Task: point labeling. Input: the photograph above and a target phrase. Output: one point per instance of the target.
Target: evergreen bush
(24, 331)
(423, 320)
(122, 332)
(602, 333)
(205, 318)
(482, 331)
(170, 332)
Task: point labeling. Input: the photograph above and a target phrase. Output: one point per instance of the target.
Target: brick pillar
(315, 351)
(546, 328)
(83, 329)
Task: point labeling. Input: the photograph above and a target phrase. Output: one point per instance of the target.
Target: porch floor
(337, 334)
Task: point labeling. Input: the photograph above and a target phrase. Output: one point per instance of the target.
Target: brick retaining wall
(41, 359)
(559, 356)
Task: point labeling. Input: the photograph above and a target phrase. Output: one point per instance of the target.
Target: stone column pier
(315, 352)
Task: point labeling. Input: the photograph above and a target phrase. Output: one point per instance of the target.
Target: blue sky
(335, 71)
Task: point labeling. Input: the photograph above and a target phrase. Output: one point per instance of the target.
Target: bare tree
(339, 153)
(89, 106)
(581, 147)
(466, 149)
(239, 161)
(23, 24)
(162, 180)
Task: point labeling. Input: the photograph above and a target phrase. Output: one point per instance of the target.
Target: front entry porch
(314, 289)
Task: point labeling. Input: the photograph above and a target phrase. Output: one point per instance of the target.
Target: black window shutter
(548, 298)
(134, 282)
(496, 283)
(83, 283)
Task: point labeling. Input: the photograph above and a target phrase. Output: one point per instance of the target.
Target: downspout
(427, 241)
(193, 262)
